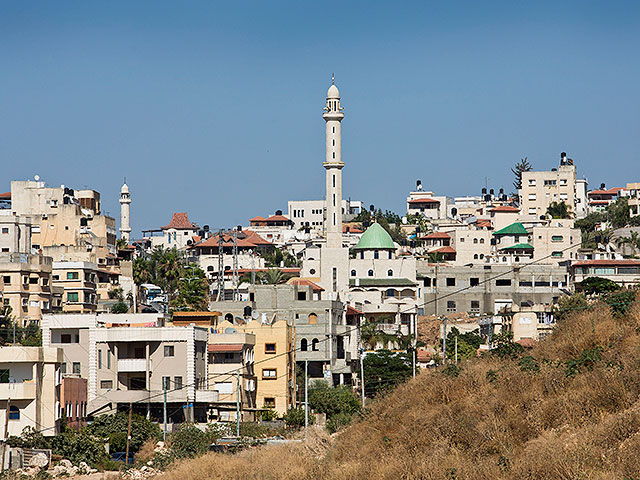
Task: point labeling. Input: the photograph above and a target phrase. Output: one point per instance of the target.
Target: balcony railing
(18, 391)
(133, 365)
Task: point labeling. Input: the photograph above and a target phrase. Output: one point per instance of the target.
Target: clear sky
(215, 107)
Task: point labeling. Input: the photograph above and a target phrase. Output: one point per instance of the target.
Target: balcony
(18, 391)
(133, 365)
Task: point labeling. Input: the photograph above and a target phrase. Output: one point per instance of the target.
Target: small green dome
(375, 238)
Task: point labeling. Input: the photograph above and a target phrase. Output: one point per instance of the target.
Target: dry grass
(523, 425)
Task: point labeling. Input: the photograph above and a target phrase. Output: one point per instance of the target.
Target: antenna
(333, 79)
(236, 291)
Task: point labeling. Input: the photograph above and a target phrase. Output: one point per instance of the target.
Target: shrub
(267, 415)
(620, 302)
(451, 370)
(294, 418)
(79, 447)
(332, 400)
(529, 364)
(505, 347)
(338, 422)
(188, 441)
(587, 360)
(114, 427)
(492, 376)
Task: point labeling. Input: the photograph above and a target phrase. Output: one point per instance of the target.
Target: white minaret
(125, 202)
(333, 164)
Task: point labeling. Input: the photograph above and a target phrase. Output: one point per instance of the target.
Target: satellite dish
(255, 315)
(37, 178)
(230, 330)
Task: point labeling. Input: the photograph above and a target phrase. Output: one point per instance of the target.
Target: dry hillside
(570, 412)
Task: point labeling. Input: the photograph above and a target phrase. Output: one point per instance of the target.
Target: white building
(311, 213)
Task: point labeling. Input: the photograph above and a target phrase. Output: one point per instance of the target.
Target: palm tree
(559, 210)
(633, 241)
(272, 276)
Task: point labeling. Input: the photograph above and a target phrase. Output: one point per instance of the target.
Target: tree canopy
(522, 166)
(384, 369)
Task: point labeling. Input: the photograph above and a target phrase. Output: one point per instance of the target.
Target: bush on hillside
(332, 400)
(188, 441)
(115, 427)
(294, 418)
(80, 447)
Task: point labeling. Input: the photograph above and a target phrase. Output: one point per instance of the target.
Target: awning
(225, 348)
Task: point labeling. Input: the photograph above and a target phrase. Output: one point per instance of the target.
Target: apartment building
(528, 322)
(311, 213)
(634, 198)
(426, 204)
(556, 242)
(472, 245)
(15, 233)
(625, 272)
(25, 285)
(541, 188)
(80, 282)
(481, 289)
(63, 216)
(30, 389)
(179, 233)
(601, 198)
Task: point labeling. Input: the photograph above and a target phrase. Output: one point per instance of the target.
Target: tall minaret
(333, 164)
(125, 202)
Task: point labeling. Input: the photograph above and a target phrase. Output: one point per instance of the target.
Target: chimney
(603, 186)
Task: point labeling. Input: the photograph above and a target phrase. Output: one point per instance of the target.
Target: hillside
(567, 409)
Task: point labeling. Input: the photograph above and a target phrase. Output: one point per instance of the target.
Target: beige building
(25, 285)
(472, 245)
(79, 280)
(532, 322)
(15, 233)
(30, 379)
(560, 184)
(556, 242)
(634, 198)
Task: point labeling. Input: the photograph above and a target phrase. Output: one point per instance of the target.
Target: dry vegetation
(494, 420)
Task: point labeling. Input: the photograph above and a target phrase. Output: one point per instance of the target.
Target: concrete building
(625, 272)
(15, 233)
(311, 213)
(472, 245)
(601, 198)
(25, 285)
(480, 289)
(426, 204)
(528, 322)
(180, 233)
(556, 242)
(79, 280)
(30, 380)
(634, 198)
(541, 188)
(511, 245)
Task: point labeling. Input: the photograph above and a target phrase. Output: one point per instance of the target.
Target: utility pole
(253, 268)
(362, 374)
(236, 280)
(444, 340)
(414, 343)
(456, 349)
(238, 404)
(220, 295)
(129, 433)
(306, 400)
(6, 431)
(164, 410)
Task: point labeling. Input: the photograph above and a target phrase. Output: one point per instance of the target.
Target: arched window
(390, 273)
(482, 255)
(313, 319)
(390, 254)
(475, 240)
(303, 345)
(314, 344)
(482, 240)
(353, 273)
(376, 255)
(14, 413)
(370, 273)
(210, 268)
(517, 259)
(229, 317)
(475, 256)
(390, 292)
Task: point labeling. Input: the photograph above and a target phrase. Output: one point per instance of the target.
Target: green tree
(504, 347)
(332, 400)
(618, 213)
(112, 426)
(294, 418)
(522, 166)
(193, 290)
(120, 307)
(372, 336)
(272, 276)
(468, 343)
(633, 240)
(383, 370)
(559, 210)
(569, 304)
(79, 447)
(597, 286)
(6, 324)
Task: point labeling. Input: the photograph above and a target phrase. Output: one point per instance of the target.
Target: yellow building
(80, 280)
(274, 365)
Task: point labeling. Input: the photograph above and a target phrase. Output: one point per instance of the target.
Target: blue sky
(215, 107)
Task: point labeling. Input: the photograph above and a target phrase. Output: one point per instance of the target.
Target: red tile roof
(423, 355)
(444, 250)
(225, 347)
(242, 271)
(606, 263)
(227, 241)
(257, 219)
(5, 196)
(599, 202)
(424, 200)
(611, 191)
(277, 218)
(483, 223)
(350, 229)
(505, 208)
(305, 283)
(437, 235)
(180, 221)
(353, 311)
(256, 239)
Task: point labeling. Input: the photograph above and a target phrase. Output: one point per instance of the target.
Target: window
(106, 384)
(475, 240)
(532, 211)
(169, 350)
(72, 275)
(303, 345)
(474, 281)
(166, 383)
(475, 306)
(556, 254)
(475, 256)
(269, 374)
(269, 402)
(314, 344)
(5, 230)
(451, 282)
(65, 338)
(532, 182)
(108, 359)
(556, 238)
(532, 196)
(503, 282)
(353, 273)
(390, 273)
(370, 273)
(269, 348)
(99, 358)
(482, 240)
(33, 280)
(72, 297)
(45, 282)
(563, 181)
(426, 282)
(451, 306)
(6, 279)
(376, 254)
(302, 296)
(4, 375)
(14, 413)
(63, 368)
(177, 383)
(76, 368)
(313, 319)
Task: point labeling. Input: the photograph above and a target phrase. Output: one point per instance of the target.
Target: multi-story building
(30, 389)
(601, 198)
(487, 288)
(540, 189)
(625, 272)
(556, 242)
(634, 198)
(80, 281)
(25, 285)
(311, 213)
(15, 233)
(426, 204)
(472, 245)
(532, 322)
(179, 233)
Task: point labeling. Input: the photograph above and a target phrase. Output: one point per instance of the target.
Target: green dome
(375, 238)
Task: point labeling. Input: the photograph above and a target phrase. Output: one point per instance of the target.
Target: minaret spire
(333, 165)
(125, 203)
